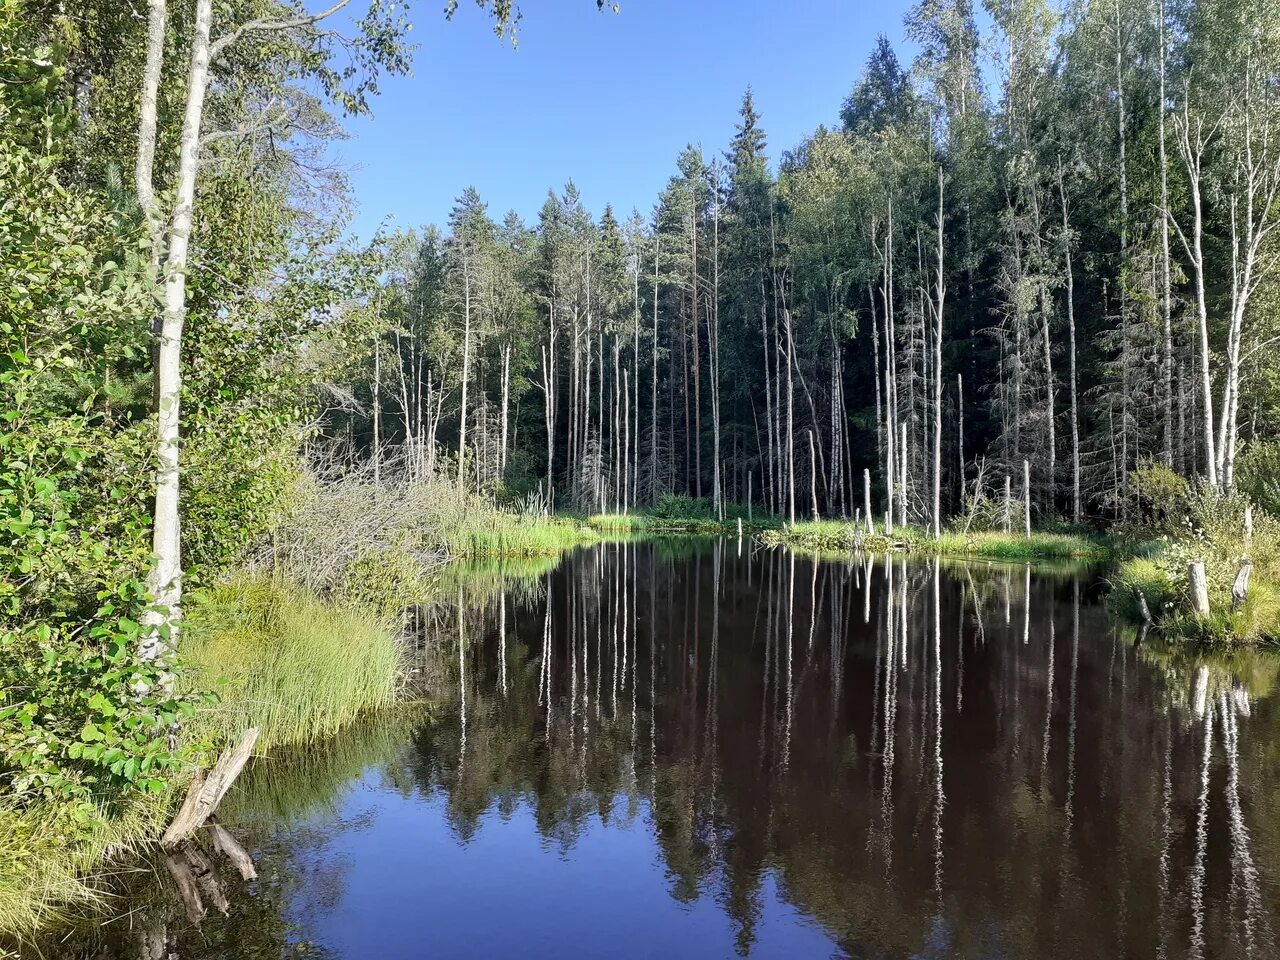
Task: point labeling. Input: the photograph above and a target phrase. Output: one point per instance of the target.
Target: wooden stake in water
(866, 499)
(1026, 493)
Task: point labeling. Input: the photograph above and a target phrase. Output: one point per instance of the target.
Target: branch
(271, 26)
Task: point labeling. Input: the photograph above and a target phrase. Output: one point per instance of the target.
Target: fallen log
(207, 790)
(227, 845)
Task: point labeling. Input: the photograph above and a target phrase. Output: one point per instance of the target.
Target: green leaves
(72, 725)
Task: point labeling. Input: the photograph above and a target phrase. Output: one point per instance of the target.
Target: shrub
(1158, 500)
(1258, 474)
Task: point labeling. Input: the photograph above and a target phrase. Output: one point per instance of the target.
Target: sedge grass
(296, 666)
(54, 857)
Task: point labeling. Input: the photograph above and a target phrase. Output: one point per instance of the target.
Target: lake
(696, 748)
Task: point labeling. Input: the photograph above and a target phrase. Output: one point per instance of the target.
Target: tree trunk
(1026, 494)
(866, 499)
(1076, 510)
(144, 163)
(164, 581)
(939, 302)
(1199, 587)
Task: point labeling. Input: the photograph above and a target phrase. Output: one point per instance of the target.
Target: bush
(1258, 474)
(1158, 500)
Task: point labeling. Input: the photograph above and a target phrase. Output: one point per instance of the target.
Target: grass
(836, 535)
(299, 667)
(51, 856)
(492, 533)
(1210, 529)
(1156, 579)
(280, 658)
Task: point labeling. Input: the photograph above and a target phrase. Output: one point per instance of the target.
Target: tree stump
(1240, 588)
(1199, 587)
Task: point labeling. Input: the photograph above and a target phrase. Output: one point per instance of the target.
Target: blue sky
(605, 100)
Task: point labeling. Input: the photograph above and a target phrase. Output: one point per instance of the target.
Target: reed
(282, 659)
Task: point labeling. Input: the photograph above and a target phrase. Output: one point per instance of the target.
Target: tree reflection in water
(861, 739)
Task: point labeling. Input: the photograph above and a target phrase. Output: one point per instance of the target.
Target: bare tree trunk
(506, 398)
(144, 163)
(960, 438)
(1026, 494)
(377, 410)
(1166, 308)
(866, 499)
(1191, 146)
(939, 301)
(653, 381)
(717, 495)
(1071, 343)
(466, 371)
(813, 475)
(164, 581)
(791, 447)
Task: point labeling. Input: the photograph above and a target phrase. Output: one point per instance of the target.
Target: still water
(695, 749)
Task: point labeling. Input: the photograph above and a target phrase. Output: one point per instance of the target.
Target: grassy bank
(491, 534)
(295, 665)
(1226, 533)
(841, 536)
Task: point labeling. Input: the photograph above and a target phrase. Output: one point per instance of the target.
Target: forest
(1017, 298)
(968, 271)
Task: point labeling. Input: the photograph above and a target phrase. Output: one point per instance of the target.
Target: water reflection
(720, 751)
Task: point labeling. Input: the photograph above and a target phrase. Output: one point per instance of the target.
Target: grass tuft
(294, 665)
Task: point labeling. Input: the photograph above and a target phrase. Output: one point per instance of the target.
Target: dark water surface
(696, 750)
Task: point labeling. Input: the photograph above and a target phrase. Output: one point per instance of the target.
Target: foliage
(1213, 532)
(1157, 501)
(1259, 474)
(72, 723)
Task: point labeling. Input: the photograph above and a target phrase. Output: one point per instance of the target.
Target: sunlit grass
(493, 533)
(292, 664)
(52, 855)
(836, 535)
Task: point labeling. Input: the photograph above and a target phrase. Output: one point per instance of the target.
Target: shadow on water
(701, 750)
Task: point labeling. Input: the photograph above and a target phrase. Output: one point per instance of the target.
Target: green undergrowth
(1195, 523)
(52, 854)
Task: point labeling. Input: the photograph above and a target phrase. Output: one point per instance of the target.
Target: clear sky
(605, 100)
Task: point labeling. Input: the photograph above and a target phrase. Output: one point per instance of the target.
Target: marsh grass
(835, 535)
(52, 858)
(298, 667)
(489, 533)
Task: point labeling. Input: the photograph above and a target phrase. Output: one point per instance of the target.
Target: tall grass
(51, 857)
(280, 658)
(490, 532)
